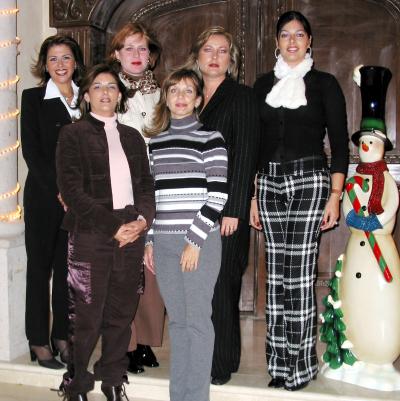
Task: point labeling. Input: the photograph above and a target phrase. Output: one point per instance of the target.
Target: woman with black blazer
(231, 109)
(44, 110)
(297, 194)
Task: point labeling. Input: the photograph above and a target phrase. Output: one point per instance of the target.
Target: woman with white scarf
(297, 195)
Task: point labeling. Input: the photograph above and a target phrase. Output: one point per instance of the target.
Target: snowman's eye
(370, 142)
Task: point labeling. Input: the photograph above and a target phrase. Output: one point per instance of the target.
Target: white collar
(53, 92)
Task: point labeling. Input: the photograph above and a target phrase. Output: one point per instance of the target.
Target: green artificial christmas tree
(333, 328)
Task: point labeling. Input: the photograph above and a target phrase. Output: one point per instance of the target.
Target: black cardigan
(297, 133)
(232, 110)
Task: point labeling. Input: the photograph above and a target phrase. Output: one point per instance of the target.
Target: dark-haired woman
(297, 194)
(136, 50)
(103, 176)
(44, 110)
(189, 165)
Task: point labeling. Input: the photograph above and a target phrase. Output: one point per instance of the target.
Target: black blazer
(232, 110)
(83, 176)
(41, 121)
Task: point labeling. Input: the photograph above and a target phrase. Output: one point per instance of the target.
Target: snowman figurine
(361, 324)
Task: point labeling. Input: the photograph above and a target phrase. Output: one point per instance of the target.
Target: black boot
(77, 397)
(145, 356)
(114, 393)
(134, 365)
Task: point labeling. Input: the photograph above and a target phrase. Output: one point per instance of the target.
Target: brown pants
(148, 325)
(101, 280)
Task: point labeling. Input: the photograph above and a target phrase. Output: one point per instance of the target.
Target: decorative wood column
(12, 250)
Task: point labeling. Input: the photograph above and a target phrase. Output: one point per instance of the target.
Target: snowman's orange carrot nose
(365, 147)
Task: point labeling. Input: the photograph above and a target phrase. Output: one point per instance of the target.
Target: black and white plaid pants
(291, 201)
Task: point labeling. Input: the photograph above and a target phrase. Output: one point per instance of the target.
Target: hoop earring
(276, 52)
(309, 51)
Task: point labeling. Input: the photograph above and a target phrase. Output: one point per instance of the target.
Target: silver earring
(276, 52)
(309, 50)
(229, 71)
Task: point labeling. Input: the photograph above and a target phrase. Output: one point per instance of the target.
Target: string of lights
(15, 214)
(9, 114)
(10, 42)
(9, 149)
(9, 82)
(9, 194)
(9, 11)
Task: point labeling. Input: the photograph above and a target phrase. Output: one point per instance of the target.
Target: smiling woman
(44, 110)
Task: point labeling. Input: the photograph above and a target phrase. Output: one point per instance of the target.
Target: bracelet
(254, 197)
(337, 192)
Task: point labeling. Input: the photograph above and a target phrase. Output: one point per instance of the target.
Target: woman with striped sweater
(189, 166)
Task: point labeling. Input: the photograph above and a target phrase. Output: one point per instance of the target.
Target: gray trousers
(188, 298)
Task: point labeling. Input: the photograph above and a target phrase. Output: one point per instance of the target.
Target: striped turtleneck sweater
(190, 172)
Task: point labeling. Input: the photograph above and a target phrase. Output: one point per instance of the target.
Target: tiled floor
(249, 384)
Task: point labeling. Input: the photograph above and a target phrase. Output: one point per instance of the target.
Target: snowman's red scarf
(375, 169)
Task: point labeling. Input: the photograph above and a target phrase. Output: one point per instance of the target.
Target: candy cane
(370, 235)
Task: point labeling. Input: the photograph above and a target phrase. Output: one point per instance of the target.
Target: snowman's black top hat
(374, 83)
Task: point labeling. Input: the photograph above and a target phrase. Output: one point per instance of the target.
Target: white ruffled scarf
(290, 90)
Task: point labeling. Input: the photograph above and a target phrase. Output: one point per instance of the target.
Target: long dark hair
(38, 69)
(88, 80)
(290, 16)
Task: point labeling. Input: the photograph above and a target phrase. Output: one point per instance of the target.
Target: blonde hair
(162, 114)
(234, 52)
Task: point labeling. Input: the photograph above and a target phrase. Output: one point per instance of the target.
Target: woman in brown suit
(103, 176)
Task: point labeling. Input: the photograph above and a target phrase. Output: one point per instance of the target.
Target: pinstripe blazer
(233, 111)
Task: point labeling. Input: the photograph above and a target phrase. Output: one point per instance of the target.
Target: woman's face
(134, 55)
(214, 57)
(103, 95)
(60, 64)
(293, 42)
(182, 99)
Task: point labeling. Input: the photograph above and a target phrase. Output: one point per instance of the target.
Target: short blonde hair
(191, 62)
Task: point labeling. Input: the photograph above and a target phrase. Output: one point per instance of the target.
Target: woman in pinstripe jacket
(230, 108)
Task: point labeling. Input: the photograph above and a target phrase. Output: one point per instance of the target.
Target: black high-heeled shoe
(64, 352)
(145, 356)
(51, 363)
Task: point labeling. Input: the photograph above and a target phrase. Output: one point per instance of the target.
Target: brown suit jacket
(83, 176)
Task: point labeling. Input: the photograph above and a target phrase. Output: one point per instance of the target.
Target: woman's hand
(190, 258)
(331, 213)
(229, 225)
(254, 216)
(149, 258)
(130, 232)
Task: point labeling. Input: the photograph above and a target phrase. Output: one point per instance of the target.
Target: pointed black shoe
(114, 393)
(220, 380)
(134, 365)
(51, 363)
(277, 383)
(146, 357)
